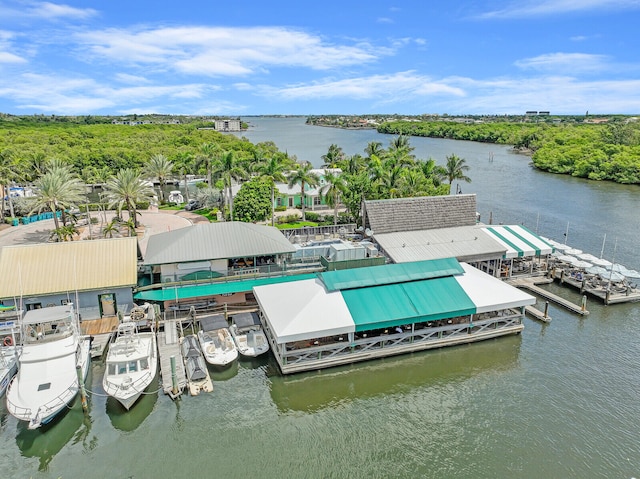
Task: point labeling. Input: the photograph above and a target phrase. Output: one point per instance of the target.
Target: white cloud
(52, 11)
(6, 57)
(534, 8)
(398, 86)
(130, 79)
(572, 63)
(217, 51)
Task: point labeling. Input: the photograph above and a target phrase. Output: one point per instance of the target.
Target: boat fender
(8, 341)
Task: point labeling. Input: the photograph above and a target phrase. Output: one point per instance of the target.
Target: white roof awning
(489, 293)
(519, 241)
(302, 310)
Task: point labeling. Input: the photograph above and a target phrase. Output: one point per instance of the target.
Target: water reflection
(223, 373)
(130, 420)
(312, 391)
(44, 443)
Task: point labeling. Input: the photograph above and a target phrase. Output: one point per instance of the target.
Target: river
(558, 401)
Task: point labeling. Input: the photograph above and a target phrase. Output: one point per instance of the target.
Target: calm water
(559, 401)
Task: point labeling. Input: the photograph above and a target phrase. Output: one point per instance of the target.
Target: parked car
(192, 205)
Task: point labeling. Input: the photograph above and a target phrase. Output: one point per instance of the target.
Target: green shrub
(311, 216)
(281, 208)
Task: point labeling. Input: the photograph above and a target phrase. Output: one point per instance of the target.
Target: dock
(168, 347)
(609, 294)
(537, 314)
(529, 283)
(101, 330)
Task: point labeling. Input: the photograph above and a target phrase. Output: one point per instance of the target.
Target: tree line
(60, 159)
(608, 151)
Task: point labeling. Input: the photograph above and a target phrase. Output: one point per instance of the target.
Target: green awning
(398, 304)
(203, 274)
(390, 274)
(204, 290)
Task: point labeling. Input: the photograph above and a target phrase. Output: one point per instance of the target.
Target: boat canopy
(49, 314)
(246, 320)
(213, 322)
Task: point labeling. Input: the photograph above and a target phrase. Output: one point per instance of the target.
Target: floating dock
(169, 347)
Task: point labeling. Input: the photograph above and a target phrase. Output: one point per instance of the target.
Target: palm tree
(112, 227)
(58, 190)
(455, 169)
(333, 189)
(126, 189)
(207, 156)
(333, 157)
(303, 176)
(229, 169)
(274, 169)
(160, 168)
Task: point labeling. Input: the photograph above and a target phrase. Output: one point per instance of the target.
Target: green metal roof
(390, 274)
(187, 292)
(398, 304)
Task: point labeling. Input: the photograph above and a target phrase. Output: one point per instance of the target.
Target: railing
(112, 388)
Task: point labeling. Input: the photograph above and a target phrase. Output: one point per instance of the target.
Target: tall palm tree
(303, 176)
(58, 190)
(333, 189)
(274, 169)
(160, 168)
(127, 189)
(207, 156)
(455, 169)
(229, 169)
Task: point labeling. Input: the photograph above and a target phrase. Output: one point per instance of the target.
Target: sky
(349, 57)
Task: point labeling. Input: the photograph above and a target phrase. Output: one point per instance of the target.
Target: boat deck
(168, 347)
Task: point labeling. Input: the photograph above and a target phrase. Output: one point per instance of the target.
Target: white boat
(132, 364)
(198, 377)
(192, 180)
(216, 340)
(248, 334)
(175, 197)
(54, 355)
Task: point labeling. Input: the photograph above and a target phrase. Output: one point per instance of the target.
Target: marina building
(97, 276)
(352, 315)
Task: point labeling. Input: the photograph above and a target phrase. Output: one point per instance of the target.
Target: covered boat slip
(354, 315)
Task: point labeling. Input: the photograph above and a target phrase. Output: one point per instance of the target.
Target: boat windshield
(47, 331)
(125, 367)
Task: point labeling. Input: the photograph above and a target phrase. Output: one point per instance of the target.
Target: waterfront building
(97, 276)
(341, 317)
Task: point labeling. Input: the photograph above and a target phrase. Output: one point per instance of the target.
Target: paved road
(153, 221)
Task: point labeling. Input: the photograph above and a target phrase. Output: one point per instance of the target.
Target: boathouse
(341, 317)
(97, 276)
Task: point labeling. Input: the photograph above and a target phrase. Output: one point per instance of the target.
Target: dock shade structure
(519, 241)
(346, 316)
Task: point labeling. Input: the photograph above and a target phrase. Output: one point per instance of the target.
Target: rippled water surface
(558, 401)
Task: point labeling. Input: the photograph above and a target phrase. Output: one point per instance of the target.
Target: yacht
(132, 364)
(54, 356)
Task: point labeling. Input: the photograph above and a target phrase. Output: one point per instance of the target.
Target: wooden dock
(101, 330)
(611, 295)
(530, 284)
(168, 347)
(537, 314)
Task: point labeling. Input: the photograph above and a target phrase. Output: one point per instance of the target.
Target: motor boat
(54, 357)
(175, 196)
(216, 340)
(248, 334)
(131, 365)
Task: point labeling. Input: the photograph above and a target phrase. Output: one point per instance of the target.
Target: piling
(83, 392)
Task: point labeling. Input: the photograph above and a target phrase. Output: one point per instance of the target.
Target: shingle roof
(202, 242)
(421, 213)
(50, 268)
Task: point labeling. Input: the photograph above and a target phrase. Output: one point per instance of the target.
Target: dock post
(83, 392)
(561, 276)
(226, 313)
(606, 298)
(546, 309)
(584, 303)
(174, 376)
(584, 282)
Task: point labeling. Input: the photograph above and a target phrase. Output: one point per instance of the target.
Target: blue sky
(298, 57)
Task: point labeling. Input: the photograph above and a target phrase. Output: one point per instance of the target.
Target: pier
(608, 293)
(168, 348)
(101, 331)
(530, 284)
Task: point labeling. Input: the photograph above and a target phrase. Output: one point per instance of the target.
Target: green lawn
(298, 224)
